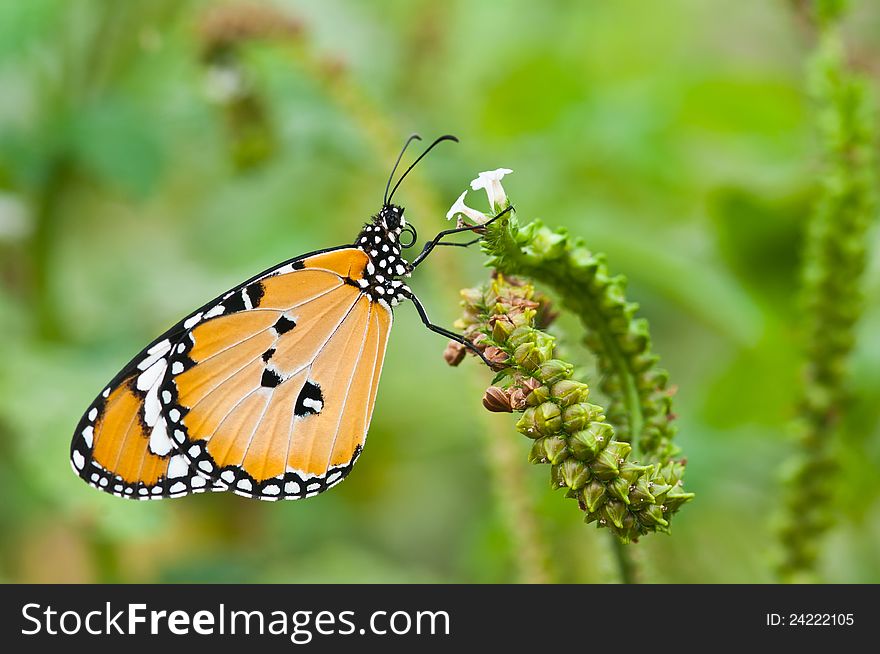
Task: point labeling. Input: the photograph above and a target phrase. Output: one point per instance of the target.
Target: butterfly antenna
(413, 137)
(445, 137)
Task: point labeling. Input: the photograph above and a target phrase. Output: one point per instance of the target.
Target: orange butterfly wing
(206, 399)
(271, 390)
(121, 444)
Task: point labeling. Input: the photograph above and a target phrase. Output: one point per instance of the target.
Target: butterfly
(267, 390)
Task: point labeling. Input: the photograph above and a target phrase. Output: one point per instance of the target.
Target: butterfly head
(392, 223)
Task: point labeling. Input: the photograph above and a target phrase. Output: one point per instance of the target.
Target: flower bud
(454, 353)
(522, 317)
(526, 424)
(675, 498)
(519, 336)
(568, 392)
(619, 488)
(613, 511)
(555, 449)
(583, 445)
(658, 490)
(518, 399)
(496, 356)
(594, 495)
(471, 296)
(620, 450)
(554, 370)
(605, 467)
(497, 400)
(632, 471)
(536, 454)
(598, 412)
(574, 473)
(528, 356)
(576, 417)
(652, 515)
(538, 396)
(640, 493)
(548, 418)
(502, 327)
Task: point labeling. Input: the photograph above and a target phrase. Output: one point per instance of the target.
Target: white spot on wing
(160, 444)
(78, 460)
(177, 466)
(216, 311)
(88, 435)
(160, 347)
(148, 378)
(93, 413)
(151, 407)
(192, 320)
(292, 488)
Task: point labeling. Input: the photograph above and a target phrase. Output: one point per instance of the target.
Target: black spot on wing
(255, 292)
(351, 282)
(270, 378)
(268, 354)
(311, 392)
(298, 265)
(284, 325)
(236, 302)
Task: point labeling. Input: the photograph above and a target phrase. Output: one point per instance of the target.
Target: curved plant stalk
(639, 401)
(569, 433)
(833, 264)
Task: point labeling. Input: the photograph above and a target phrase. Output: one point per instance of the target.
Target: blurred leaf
(119, 144)
(760, 239)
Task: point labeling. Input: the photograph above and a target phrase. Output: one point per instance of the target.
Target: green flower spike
(640, 403)
(569, 434)
(832, 280)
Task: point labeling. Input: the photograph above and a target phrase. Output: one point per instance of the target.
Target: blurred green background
(154, 154)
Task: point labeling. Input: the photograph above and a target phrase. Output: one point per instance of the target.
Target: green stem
(626, 563)
(508, 482)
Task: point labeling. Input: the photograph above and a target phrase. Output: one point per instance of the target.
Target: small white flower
(478, 217)
(490, 180)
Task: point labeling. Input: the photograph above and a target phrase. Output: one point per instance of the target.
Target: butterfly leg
(434, 242)
(462, 245)
(458, 338)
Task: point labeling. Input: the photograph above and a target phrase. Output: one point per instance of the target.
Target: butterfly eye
(409, 229)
